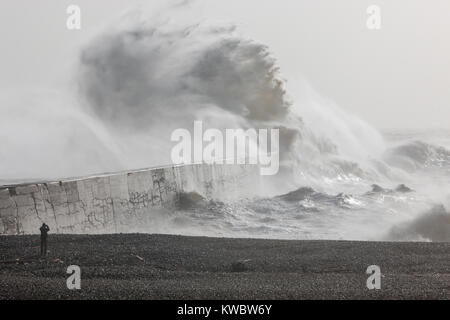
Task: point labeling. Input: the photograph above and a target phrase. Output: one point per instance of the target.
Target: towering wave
(153, 78)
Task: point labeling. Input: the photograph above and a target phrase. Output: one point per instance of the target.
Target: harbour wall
(113, 203)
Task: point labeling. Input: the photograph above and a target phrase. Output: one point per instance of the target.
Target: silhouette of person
(44, 230)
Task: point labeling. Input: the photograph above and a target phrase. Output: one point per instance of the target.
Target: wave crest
(433, 225)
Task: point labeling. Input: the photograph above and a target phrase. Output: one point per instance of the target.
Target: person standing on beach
(44, 230)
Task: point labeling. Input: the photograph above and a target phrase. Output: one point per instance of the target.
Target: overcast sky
(398, 76)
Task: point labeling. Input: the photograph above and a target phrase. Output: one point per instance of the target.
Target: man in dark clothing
(44, 230)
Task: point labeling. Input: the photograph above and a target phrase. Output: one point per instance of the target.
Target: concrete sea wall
(112, 203)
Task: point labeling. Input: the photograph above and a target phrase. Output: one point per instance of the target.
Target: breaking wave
(433, 225)
(417, 155)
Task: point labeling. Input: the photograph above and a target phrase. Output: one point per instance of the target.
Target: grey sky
(394, 77)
